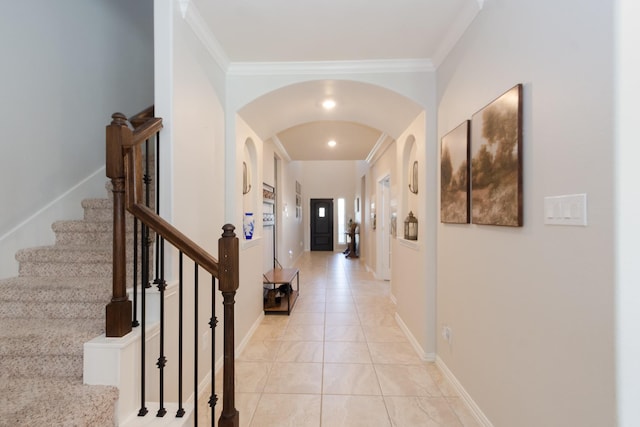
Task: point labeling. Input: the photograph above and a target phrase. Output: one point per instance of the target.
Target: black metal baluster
(162, 360)
(180, 412)
(157, 196)
(213, 322)
(143, 308)
(195, 350)
(135, 322)
(157, 163)
(148, 180)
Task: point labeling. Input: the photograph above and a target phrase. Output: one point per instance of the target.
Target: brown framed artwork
(454, 175)
(496, 161)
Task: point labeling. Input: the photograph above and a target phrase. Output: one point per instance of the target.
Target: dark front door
(322, 224)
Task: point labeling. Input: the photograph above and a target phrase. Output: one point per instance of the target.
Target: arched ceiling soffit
(309, 141)
(359, 103)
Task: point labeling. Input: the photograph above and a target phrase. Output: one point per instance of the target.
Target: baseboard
(477, 413)
(393, 299)
(245, 341)
(427, 357)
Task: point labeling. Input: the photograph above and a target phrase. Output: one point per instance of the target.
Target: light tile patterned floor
(339, 359)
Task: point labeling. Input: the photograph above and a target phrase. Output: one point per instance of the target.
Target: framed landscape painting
(496, 161)
(454, 175)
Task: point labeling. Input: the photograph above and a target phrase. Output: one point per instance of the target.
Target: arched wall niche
(250, 187)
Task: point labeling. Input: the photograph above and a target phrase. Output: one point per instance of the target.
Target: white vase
(248, 225)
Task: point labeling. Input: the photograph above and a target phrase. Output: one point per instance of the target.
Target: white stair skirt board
(116, 361)
(466, 398)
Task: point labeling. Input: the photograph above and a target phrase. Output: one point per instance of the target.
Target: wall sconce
(246, 179)
(413, 178)
(411, 227)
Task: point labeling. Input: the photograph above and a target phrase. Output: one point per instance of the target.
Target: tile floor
(339, 359)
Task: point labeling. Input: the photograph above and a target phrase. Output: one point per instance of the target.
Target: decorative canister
(248, 225)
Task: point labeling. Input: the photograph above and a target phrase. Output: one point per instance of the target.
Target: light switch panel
(566, 210)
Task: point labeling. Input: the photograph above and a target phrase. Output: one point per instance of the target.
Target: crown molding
(456, 30)
(192, 16)
(380, 147)
(331, 67)
(280, 148)
(196, 22)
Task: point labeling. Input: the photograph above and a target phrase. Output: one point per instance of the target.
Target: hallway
(340, 359)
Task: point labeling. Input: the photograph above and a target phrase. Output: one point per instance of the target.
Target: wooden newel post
(118, 311)
(228, 252)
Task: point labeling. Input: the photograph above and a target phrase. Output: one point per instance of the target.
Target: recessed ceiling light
(331, 143)
(328, 104)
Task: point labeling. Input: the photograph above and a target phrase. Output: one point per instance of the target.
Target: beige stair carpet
(47, 313)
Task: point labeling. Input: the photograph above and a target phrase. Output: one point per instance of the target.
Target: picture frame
(496, 161)
(454, 175)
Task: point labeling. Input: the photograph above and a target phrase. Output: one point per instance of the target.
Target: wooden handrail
(140, 118)
(175, 237)
(146, 131)
(135, 203)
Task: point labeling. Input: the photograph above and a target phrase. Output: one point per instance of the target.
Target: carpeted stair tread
(51, 310)
(55, 289)
(26, 402)
(82, 226)
(66, 254)
(28, 337)
(44, 366)
(98, 210)
(43, 348)
(84, 233)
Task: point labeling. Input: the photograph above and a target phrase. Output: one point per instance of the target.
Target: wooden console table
(282, 276)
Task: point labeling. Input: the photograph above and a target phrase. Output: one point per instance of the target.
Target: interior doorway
(321, 224)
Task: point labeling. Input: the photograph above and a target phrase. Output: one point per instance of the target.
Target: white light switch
(566, 210)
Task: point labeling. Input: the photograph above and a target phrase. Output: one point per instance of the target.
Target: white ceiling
(259, 31)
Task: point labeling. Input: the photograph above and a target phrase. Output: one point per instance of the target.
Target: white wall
(413, 279)
(192, 164)
(627, 209)
(249, 295)
(68, 65)
(291, 231)
(413, 284)
(532, 308)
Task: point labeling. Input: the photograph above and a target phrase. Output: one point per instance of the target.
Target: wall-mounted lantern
(411, 227)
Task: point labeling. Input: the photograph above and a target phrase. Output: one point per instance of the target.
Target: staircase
(47, 313)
